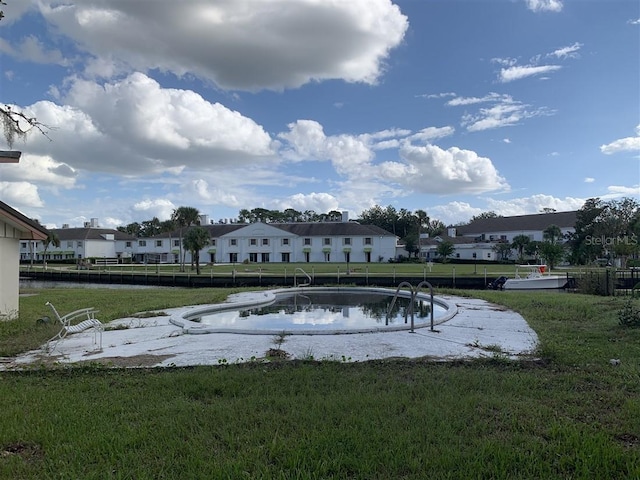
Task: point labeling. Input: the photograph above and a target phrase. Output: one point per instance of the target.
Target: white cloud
(518, 72)
(570, 51)
(31, 49)
(135, 127)
(506, 140)
(501, 115)
(634, 22)
(148, 208)
(616, 191)
(292, 42)
(20, 195)
(490, 97)
(627, 144)
(432, 133)
(41, 169)
(533, 204)
(544, 5)
(319, 202)
(454, 212)
(437, 95)
(589, 179)
(430, 169)
(307, 141)
(461, 212)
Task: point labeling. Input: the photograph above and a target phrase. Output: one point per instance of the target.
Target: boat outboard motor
(498, 283)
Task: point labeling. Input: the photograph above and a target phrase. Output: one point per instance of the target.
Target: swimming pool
(314, 311)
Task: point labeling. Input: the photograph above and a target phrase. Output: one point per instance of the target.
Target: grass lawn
(569, 415)
(384, 268)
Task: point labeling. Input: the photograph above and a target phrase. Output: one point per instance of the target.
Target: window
(69, 244)
(158, 243)
(128, 244)
(142, 243)
(326, 241)
(233, 257)
(368, 241)
(23, 244)
(233, 242)
(264, 257)
(286, 258)
(307, 241)
(457, 255)
(475, 255)
(327, 256)
(253, 242)
(489, 255)
(265, 241)
(79, 244)
(346, 241)
(285, 241)
(176, 243)
(213, 242)
(253, 257)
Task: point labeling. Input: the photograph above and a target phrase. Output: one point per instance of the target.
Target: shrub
(628, 315)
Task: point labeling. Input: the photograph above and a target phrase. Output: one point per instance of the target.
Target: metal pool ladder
(414, 292)
(295, 278)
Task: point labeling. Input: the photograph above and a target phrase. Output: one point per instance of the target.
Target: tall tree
(184, 217)
(445, 249)
(133, 229)
(52, 239)
(519, 242)
(480, 216)
(195, 240)
(503, 250)
(551, 248)
(150, 228)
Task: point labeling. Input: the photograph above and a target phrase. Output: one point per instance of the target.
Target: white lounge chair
(85, 319)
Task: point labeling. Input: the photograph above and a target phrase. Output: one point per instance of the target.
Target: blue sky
(455, 107)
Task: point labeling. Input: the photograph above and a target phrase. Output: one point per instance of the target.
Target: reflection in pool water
(323, 312)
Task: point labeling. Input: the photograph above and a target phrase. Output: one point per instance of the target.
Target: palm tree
(184, 217)
(195, 240)
(52, 239)
(519, 242)
(445, 250)
(551, 249)
(552, 234)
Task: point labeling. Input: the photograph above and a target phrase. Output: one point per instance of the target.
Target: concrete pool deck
(480, 329)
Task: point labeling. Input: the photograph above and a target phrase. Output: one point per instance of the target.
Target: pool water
(324, 312)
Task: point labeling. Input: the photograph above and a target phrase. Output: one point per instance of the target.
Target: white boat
(535, 279)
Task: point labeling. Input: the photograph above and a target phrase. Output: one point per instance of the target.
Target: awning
(326, 249)
(306, 249)
(368, 249)
(211, 250)
(346, 249)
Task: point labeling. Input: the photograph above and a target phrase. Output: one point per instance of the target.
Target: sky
(455, 107)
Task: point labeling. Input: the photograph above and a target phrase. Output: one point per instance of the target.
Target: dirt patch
(143, 360)
(629, 440)
(25, 450)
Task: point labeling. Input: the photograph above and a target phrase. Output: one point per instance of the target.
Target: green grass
(323, 268)
(568, 415)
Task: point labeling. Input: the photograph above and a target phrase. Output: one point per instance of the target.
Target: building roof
(302, 229)
(437, 240)
(215, 230)
(536, 222)
(89, 233)
(316, 229)
(31, 229)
